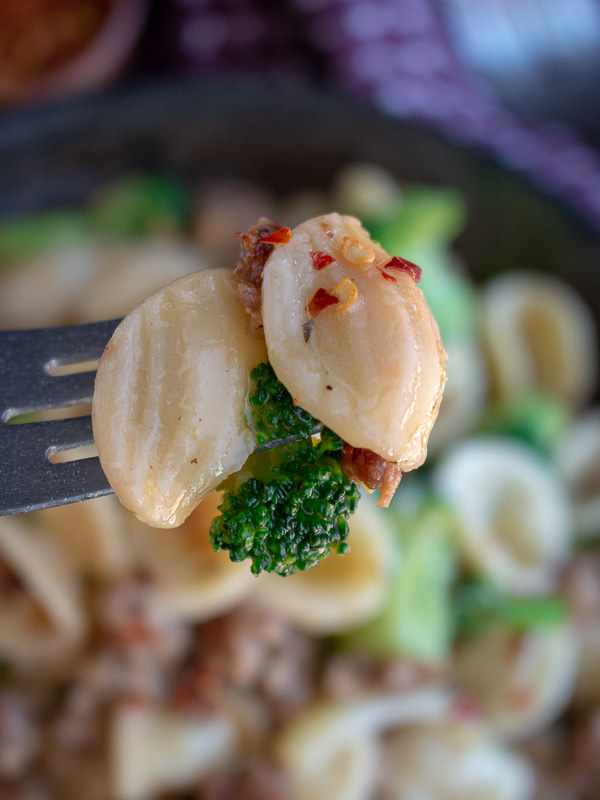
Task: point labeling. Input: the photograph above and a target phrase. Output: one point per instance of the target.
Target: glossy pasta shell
(170, 397)
(371, 368)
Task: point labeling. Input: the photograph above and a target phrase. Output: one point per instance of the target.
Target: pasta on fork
(333, 331)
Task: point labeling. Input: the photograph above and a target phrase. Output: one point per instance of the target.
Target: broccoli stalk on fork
(288, 507)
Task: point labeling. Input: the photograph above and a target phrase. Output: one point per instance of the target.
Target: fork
(31, 362)
(28, 479)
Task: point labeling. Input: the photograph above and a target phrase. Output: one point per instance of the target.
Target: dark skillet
(288, 137)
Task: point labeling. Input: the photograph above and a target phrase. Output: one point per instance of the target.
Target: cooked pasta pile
(453, 652)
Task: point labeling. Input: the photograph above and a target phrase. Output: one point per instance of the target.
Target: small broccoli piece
(536, 417)
(480, 604)
(415, 620)
(288, 507)
(141, 205)
(274, 415)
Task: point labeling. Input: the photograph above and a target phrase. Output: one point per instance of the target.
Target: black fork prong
(25, 357)
(28, 479)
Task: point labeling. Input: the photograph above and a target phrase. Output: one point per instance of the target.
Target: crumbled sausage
(258, 779)
(374, 472)
(252, 653)
(249, 269)
(350, 675)
(19, 738)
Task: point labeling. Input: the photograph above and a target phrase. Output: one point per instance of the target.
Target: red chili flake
(405, 266)
(320, 259)
(386, 276)
(280, 236)
(321, 299)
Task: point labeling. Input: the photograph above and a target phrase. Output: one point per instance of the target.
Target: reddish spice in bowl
(53, 47)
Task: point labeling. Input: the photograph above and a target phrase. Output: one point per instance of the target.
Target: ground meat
(19, 739)
(249, 270)
(579, 585)
(566, 758)
(548, 753)
(30, 788)
(251, 661)
(258, 779)
(350, 675)
(136, 646)
(584, 767)
(366, 467)
(10, 582)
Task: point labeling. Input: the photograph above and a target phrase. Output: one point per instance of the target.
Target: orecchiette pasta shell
(371, 368)
(514, 515)
(60, 279)
(539, 334)
(578, 459)
(464, 396)
(92, 535)
(191, 579)
(152, 750)
(128, 273)
(450, 760)
(521, 681)
(319, 749)
(43, 619)
(42, 569)
(170, 397)
(343, 590)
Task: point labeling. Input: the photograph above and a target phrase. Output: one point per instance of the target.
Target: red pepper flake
(405, 266)
(387, 277)
(280, 236)
(321, 299)
(320, 259)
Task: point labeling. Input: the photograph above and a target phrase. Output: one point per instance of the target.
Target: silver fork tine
(27, 356)
(28, 480)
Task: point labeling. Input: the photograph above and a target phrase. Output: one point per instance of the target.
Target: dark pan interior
(288, 137)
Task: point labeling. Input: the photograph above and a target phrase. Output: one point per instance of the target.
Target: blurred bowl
(286, 137)
(95, 61)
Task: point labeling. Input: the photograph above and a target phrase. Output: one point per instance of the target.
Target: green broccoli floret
(274, 415)
(288, 507)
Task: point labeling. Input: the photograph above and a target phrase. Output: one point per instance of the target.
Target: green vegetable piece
(480, 604)
(537, 418)
(420, 227)
(274, 415)
(288, 507)
(416, 620)
(422, 214)
(140, 205)
(49, 230)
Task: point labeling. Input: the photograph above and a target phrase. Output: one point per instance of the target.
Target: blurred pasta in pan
(448, 760)
(43, 618)
(514, 519)
(455, 640)
(191, 580)
(538, 334)
(520, 681)
(578, 457)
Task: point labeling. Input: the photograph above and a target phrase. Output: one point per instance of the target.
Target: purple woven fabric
(396, 54)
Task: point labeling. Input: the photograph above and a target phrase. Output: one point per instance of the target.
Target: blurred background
(517, 78)
(454, 652)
